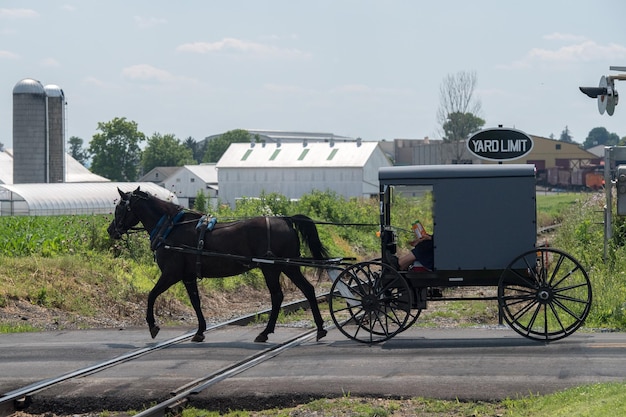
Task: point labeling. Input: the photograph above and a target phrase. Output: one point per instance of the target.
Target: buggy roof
(430, 172)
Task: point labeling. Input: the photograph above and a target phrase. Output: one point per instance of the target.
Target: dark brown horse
(174, 238)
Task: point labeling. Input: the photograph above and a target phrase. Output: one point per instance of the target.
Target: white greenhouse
(70, 198)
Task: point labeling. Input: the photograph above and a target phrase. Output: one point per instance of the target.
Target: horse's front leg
(276, 294)
(159, 288)
(192, 290)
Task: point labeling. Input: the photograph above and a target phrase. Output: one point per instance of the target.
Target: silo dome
(53, 91)
(29, 86)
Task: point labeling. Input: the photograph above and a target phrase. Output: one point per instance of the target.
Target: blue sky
(369, 69)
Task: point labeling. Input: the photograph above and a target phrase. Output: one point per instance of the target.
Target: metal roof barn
(69, 198)
(293, 169)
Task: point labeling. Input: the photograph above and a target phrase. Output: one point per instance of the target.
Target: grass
(16, 328)
(595, 400)
(65, 275)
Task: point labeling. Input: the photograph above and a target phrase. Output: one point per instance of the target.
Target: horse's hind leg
(276, 293)
(308, 290)
(194, 297)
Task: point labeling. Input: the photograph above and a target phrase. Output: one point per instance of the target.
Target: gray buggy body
(485, 234)
(483, 216)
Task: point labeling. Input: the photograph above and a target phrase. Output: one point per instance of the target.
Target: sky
(356, 68)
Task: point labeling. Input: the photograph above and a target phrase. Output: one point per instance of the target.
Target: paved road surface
(475, 364)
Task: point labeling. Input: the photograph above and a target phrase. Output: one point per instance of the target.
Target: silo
(30, 150)
(56, 133)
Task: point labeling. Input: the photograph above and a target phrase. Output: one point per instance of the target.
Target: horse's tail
(308, 232)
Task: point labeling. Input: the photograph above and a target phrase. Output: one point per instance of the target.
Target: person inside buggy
(421, 257)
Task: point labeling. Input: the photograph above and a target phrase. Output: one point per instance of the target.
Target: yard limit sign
(500, 144)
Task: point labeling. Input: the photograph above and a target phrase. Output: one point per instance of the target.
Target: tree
(197, 149)
(165, 150)
(218, 145)
(600, 136)
(565, 136)
(115, 151)
(459, 111)
(76, 150)
(461, 126)
(200, 204)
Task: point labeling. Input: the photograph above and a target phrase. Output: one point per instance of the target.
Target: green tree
(459, 111)
(566, 136)
(600, 136)
(200, 204)
(165, 150)
(218, 145)
(76, 150)
(460, 126)
(197, 148)
(115, 150)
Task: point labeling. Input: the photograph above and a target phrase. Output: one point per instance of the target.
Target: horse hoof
(320, 334)
(261, 338)
(197, 338)
(154, 330)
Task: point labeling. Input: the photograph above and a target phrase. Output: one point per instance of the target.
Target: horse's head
(125, 218)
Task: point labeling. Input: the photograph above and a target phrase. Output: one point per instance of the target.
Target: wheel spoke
(555, 305)
(378, 299)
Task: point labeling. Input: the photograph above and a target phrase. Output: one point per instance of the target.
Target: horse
(181, 251)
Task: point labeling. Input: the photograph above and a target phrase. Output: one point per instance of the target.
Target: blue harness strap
(162, 229)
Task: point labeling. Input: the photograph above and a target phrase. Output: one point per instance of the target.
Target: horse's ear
(137, 189)
(121, 193)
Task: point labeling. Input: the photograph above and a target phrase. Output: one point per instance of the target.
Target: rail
(21, 398)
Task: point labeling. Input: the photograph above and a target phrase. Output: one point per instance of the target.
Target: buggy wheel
(370, 302)
(544, 294)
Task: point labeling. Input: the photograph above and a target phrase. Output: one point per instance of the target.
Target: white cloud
(566, 37)
(287, 89)
(238, 46)
(585, 51)
(50, 62)
(8, 55)
(144, 72)
(149, 74)
(18, 14)
(147, 22)
(68, 8)
(581, 52)
(96, 82)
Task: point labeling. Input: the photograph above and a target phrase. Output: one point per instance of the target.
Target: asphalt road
(472, 364)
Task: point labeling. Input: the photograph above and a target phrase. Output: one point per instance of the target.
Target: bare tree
(459, 111)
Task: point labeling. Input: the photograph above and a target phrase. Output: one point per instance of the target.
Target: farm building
(187, 180)
(558, 164)
(158, 175)
(349, 169)
(69, 198)
(74, 170)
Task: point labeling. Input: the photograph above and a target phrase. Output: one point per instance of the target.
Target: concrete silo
(38, 133)
(30, 162)
(56, 133)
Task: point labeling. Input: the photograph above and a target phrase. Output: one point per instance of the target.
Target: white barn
(187, 180)
(293, 169)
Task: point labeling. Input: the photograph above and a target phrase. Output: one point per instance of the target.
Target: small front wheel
(544, 294)
(370, 302)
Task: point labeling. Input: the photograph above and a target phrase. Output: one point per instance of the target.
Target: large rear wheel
(545, 294)
(370, 302)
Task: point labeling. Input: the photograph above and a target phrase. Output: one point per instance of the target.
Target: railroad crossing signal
(605, 92)
(621, 190)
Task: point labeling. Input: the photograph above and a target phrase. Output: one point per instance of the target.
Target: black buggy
(484, 223)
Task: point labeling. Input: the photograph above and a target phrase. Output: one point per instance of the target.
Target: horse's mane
(166, 206)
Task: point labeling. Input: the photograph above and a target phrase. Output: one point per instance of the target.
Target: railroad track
(21, 398)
